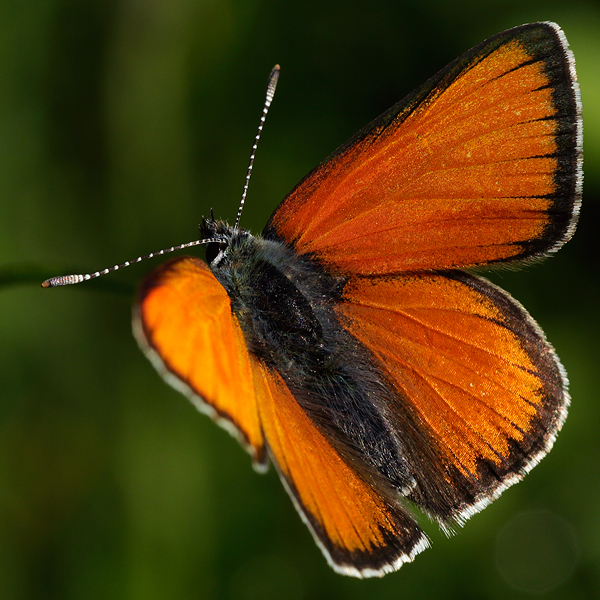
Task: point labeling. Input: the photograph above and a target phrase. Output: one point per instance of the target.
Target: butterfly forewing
(360, 532)
(480, 165)
(184, 323)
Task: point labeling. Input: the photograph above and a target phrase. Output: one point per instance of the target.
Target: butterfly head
(225, 239)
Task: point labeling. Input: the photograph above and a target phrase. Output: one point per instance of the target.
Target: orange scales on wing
(354, 517)
(458, 181)
(187, 320)
(450, 354)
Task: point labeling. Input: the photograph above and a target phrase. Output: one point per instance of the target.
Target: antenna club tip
(273, 77)
(64, 280)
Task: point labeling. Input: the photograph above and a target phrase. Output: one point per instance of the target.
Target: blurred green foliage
(121, 124)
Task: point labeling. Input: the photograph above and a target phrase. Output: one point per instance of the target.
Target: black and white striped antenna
(273, 78)
(72, 279)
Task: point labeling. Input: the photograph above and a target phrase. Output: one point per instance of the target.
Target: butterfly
(351, 346)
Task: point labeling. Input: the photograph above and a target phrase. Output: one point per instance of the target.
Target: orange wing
(473, 369)
(184, 324)
(482, 164)
(184, 314)
(360, 532)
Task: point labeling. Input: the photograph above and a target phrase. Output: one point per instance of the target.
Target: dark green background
(121, 124)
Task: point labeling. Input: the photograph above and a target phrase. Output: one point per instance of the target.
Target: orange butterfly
(349, 346)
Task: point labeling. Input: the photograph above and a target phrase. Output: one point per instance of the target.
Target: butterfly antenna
(273, 77)
(72, 279)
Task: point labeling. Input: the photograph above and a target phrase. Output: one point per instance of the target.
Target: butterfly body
(284, 304)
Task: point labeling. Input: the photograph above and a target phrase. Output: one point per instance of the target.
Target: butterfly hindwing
(472, 368)
(481, 164)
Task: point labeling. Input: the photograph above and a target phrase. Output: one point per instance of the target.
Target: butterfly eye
(213, 250)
